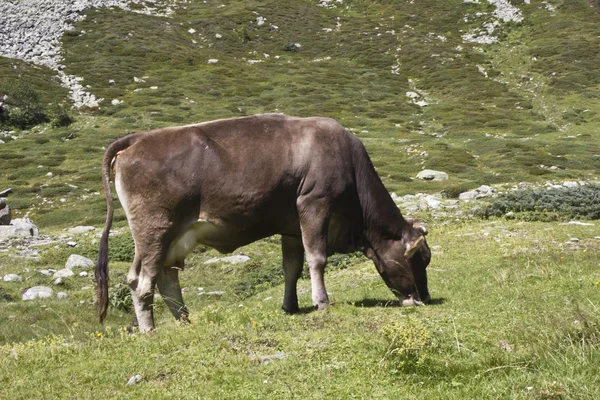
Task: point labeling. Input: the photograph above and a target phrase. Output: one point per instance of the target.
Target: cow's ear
(413, 247)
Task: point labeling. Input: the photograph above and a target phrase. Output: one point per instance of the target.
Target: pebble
(134, 379)
(12, 278)
(63, 273)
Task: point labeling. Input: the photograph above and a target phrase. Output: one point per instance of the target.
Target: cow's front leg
(314, 223)
(293, 261)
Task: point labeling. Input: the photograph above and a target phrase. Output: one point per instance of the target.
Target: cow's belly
(221, 238)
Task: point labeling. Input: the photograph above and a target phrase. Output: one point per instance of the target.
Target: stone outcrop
(20, 227)
(30, 30)
(5, 214)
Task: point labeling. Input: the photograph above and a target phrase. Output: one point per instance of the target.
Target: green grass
(515, 311)
(520, 311)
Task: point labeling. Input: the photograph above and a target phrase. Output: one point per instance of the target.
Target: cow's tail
(102, 263)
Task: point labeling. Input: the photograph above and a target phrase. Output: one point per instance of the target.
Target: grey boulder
(37, 292)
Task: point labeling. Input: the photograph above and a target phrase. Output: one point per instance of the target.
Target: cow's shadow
(389, 303)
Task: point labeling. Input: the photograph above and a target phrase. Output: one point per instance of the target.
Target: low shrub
(22, 108)
(60, 116)
(119, 297)
(582, 202)
(408, 341)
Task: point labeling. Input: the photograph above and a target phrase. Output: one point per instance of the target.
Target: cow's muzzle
(413, 301)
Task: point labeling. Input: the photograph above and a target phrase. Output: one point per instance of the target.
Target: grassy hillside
(515, 304)
(502, 112)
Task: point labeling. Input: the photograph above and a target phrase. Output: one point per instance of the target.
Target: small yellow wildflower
(99, 335)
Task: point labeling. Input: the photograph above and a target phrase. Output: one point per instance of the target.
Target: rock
(471, 194)
(71, 244)
(570, 184)
(580, 223)
(19, 227)
(12, 278)
(213, 61)
(422, 205)
(58, 281)
(61, 295)
(485, 189)
(479, 193)
(280, 355)
(5, 214)
(63, 273)
(28, 253)
(31, 31)
(80, 229)
(37, 292)
(237, 259)
(432, 202)
(77, 261)
(216, 293)
(45, 272)
(431, 175)
(134, 379)
(83, 274)
(504, 345)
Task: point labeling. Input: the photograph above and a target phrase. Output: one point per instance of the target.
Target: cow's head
(402, 265)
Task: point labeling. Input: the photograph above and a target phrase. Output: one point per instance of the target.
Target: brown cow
(228, 183)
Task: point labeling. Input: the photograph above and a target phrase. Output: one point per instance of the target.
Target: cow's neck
(381, 217)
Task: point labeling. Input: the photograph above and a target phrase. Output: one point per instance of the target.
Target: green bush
(60, 116)
(22, 109)
(547, 205)
(407, 341)
(119, 297)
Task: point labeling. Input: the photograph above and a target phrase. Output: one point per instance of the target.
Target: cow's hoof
(321, 306)
(291, 310)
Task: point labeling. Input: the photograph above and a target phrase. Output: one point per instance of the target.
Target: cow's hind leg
(170, 290)
(314, 222)
(293, 261)
(142, 279)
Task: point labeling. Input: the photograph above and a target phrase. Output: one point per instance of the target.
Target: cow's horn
(412, 247)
